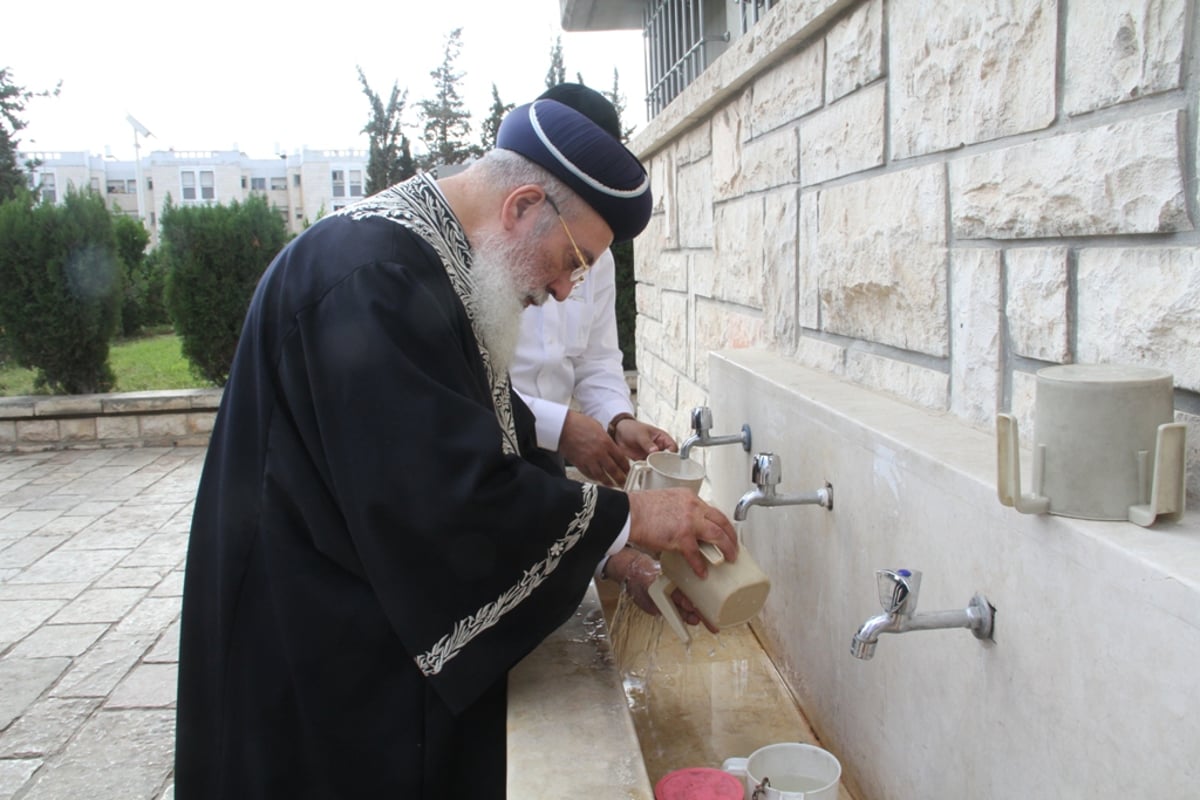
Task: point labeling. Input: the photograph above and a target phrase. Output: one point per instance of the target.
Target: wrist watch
(617, 420)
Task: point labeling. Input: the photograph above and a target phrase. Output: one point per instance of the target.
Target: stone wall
(875, 221)
(933, 199)
(132, 419)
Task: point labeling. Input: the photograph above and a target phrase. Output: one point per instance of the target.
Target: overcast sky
(268, 77)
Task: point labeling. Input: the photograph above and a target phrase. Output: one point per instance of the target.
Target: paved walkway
(92, 545)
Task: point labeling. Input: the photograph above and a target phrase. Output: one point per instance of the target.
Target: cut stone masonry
(133, 419)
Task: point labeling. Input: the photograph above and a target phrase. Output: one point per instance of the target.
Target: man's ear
(520, 202)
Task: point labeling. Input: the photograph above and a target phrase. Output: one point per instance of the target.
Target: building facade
(301, 187)
(875, 222)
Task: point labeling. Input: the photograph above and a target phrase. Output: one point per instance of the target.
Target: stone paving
(92, 547)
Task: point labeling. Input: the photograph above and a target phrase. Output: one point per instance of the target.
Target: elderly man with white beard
(376, 541)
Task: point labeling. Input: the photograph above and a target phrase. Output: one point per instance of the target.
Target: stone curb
(131, 419)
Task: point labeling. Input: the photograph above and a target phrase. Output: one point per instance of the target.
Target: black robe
(370, 552)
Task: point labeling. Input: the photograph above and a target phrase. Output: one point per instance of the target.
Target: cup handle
(660, 593)
(633, 481)
(1168, 488)
(736, 766)
(713, 553)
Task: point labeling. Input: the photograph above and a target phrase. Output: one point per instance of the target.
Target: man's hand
(635, 571)
(586, 446)
(639, 439)
(678, 520)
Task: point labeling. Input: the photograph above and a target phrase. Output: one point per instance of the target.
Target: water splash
(696, 705)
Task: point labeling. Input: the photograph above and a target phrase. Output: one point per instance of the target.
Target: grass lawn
(150, 362)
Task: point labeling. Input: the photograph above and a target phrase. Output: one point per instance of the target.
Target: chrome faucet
(898, 589)
(701, 423)
(765, 474)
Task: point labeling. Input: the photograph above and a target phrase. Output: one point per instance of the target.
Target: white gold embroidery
(418, 204)
(432, 662)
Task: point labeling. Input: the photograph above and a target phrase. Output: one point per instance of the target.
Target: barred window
(684, 36)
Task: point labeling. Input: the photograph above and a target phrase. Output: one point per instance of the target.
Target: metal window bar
(675, 49)
(753, 10)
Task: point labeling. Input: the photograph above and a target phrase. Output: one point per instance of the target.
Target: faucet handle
(898, 589)
(766, 470)
(701, 419)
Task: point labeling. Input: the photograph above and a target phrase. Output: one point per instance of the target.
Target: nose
(562, 287)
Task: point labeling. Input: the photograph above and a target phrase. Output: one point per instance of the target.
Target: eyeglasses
(579, 272)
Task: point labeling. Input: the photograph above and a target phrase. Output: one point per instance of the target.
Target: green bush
(626, 303)
(214, 256)
(60, 304)
(141, 302)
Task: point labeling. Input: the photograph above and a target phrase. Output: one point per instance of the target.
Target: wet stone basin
(699, 704)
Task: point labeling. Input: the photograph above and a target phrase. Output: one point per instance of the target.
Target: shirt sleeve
(549, 418)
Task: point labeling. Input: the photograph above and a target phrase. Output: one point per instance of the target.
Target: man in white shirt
(569, 351)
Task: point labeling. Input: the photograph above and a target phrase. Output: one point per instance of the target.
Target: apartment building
(301, 187)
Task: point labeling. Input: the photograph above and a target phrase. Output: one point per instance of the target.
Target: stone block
(845, 138)
(653, 240)
(1192, 457)
(117, 428)
(975, 321)
(780, 264)
(1036, 303)
(1133, 49)
(146, 686)
(97, 672)
(82, 429)
(962, 73)
(667, 270)
(134, 745)
(16, 407)
(911, 382)
(150, 401)
(68, 405)
(694, 144)
(770, 161)
(808, 270)
(788, 90)
(1139, 306)
(649, 300)
(649, 336)
(99, 605)
(37, 431)
(674, 348)
(721, 326)
(854, 48)
(821, 354)
(661, 169)
(728, 134)
(881, 264)
(50, 641)
(44, 728)
(15, 773)
(24, 680)
(201, 422)
(695, 204)
(738, 242)
(1122, 178)
(158, 427)
(1022, 403)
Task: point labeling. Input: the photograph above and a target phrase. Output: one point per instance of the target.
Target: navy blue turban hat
(586, 158)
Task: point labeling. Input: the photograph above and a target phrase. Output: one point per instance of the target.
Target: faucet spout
(898, 591)
(701, 423)
(766, 496)
(867, 636)
(765, 475)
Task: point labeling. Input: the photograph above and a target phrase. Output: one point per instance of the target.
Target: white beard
(498, 270)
